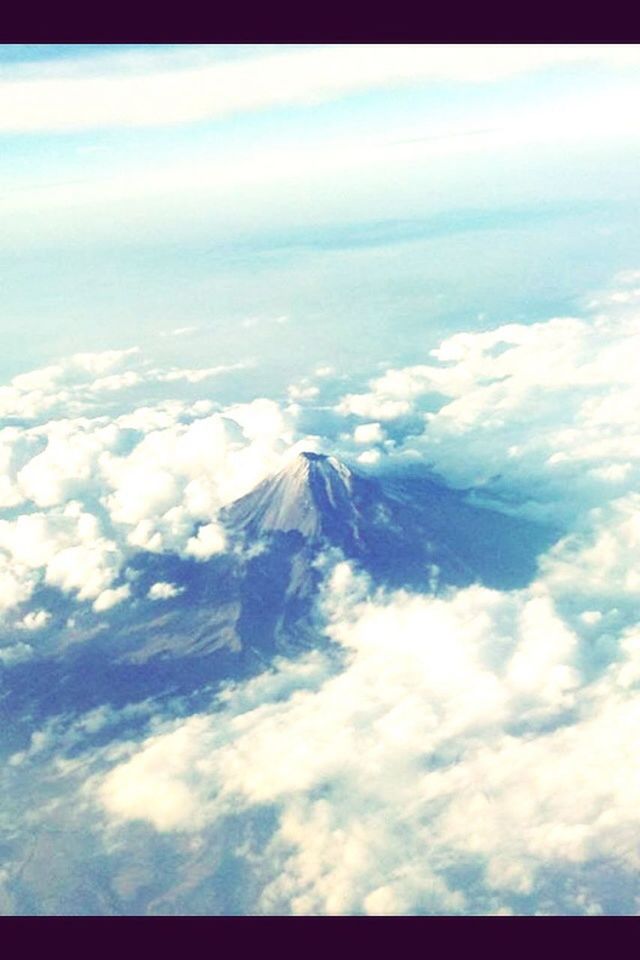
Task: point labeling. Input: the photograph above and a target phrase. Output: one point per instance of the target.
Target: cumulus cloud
(17, 582)
(34, 620)
(133, 787)
(368, 433)
(369, 457)
(465, 753)
(110, 597)
(179, 475)
(66, 466)
(155, 476)
(61, 385)
(80, 383)
(522, 412)
(524, 409)
(15, 653)
(303, 391)
(460, 730)
(367, 405)
(161, 590)
(65, 548)
(209, 540)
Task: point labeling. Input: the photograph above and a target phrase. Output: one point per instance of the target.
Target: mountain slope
(232, 613)
(398, 528)
(313, 495)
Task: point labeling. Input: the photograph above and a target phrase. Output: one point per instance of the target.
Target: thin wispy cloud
(157, 96)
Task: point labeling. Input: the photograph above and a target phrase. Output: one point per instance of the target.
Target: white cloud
(65, 547)
(196, 375)
(599, 559)
(16, 653)
(149, 786)
(76, 385)
(164, 591)
(34, 620)
(160, 472)
(116, 382)
(17, 447)
(180, 474)
(528, 411)
(367, 405)
(209, 540)
(101, 362)
(303, 391)
(369, 457)
(180, 331)
(83, 568)
(459, 730)
(525, 409)
(110, 597)
(17, 582)
(368, 433)
(38, 379)
(67, 465)
(163, 96)
(471, 752)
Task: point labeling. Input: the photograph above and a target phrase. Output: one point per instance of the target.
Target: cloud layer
(82, 492)
(467, 765)
(472, 752)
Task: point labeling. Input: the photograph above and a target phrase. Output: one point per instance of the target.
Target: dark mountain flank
(235, 611)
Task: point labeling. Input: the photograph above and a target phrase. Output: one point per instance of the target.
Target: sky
(213, 258)
(356, 189)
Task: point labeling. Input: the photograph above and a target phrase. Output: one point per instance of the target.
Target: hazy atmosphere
(319, 502)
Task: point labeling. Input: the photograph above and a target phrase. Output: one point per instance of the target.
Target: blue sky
(356, 203)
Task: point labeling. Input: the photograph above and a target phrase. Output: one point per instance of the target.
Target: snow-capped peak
(302, 496)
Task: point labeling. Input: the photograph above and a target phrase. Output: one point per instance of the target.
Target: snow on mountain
(309, 493)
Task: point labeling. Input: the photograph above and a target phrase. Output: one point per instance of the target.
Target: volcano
(404, 530)
(231, 614)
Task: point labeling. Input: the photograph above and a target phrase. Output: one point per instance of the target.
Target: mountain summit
(313, 495)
